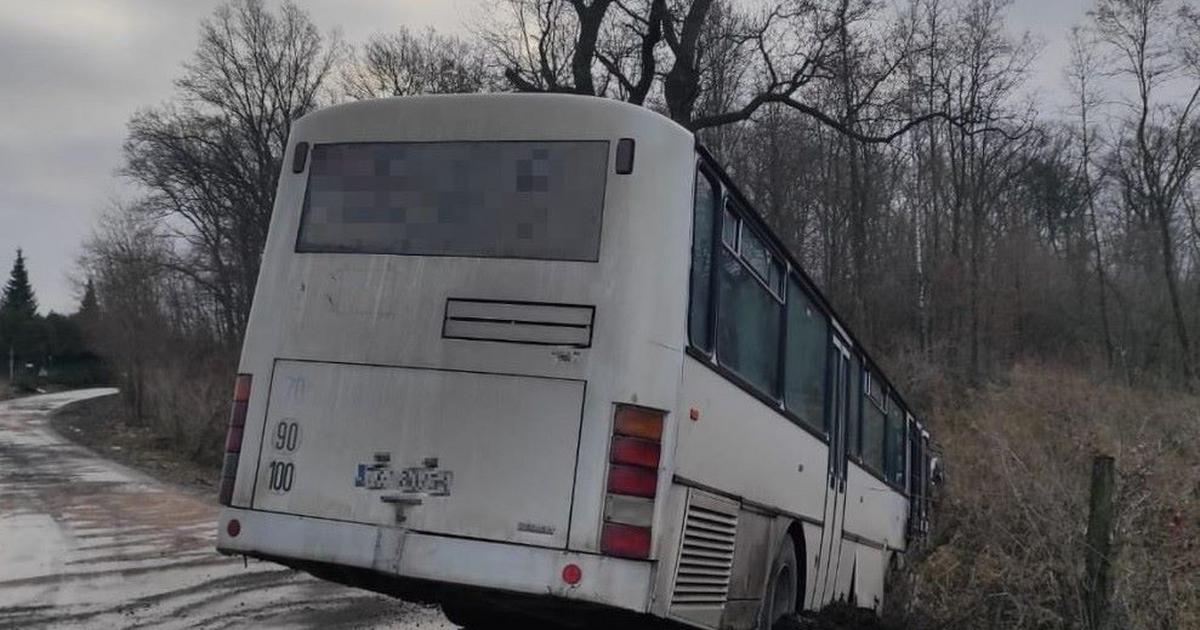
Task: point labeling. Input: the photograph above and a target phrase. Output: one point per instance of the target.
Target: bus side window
(894, 464)
(707, 196)
(748, 320)
(854, 418)
(873, 423)
(807, 346)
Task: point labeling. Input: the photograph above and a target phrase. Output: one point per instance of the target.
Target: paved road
(88, 543)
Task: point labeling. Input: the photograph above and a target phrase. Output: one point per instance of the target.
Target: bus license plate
(425, 481)
(428, 481)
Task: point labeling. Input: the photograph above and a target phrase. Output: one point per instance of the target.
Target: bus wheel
(779, 600)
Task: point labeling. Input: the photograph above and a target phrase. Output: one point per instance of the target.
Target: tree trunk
(1168, 245)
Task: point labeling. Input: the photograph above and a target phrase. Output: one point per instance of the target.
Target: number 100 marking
(282, 475)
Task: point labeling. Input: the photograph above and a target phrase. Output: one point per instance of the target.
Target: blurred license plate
(424, 480)
(428, 481)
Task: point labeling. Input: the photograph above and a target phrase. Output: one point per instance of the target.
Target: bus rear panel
(459, 303)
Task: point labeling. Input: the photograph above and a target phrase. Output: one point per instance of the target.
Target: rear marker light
(625, 541)
(572, 574)
(233, 528)
(625, 147)
(299, 157)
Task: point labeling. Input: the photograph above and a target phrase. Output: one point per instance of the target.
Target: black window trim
(703, 170)
(740, 213)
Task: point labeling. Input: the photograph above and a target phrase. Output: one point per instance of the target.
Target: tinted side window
(894, 465)
(807, 347)
(707, 197)
(873, 428)
(854, 415)
(748, 323)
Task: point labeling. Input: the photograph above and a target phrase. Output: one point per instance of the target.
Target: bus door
(835, 482)
(916, 480)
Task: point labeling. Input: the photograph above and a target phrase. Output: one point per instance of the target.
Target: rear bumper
(615, 582)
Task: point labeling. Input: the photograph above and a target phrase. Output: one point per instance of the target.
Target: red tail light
(635, 482)
(233, 437)
(635, 452)
(625, 541)
(638, 422)
(632, 482)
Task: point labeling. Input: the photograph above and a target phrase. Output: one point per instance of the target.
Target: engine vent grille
(706, 557)
(519, 322)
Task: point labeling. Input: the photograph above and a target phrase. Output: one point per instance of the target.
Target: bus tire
(779, 599)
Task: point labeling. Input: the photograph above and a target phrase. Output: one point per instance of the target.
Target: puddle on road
(26, 540)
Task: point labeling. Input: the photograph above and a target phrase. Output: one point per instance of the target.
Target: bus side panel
(743, 447)
(874, 510)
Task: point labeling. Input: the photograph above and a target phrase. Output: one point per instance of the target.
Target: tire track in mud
(87, 543)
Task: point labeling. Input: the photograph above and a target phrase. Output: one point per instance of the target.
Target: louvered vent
(706, 557)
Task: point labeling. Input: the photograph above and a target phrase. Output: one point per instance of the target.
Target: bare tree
(642, 49)
(210, 160)
(1162, 150)
(1084, 67)
(404, 63)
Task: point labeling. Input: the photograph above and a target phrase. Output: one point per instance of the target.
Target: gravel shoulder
(100, 425)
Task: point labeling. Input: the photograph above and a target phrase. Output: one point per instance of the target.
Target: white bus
(535, 357)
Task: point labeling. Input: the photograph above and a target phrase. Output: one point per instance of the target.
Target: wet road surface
(88, 543)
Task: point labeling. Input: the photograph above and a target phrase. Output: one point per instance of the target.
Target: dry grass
(1009, 547)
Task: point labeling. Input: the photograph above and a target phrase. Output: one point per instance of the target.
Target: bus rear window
(539, 200)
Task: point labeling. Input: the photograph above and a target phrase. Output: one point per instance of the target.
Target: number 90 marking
(287, 435)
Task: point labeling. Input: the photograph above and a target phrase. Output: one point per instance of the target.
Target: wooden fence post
(1101, 514)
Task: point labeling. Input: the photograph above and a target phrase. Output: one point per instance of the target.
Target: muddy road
(88, 543)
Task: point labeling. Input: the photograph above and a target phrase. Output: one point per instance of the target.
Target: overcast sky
(73, 71)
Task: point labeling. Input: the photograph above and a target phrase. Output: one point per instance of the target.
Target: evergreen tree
(18, 299)
(21, 334)
(89, 306)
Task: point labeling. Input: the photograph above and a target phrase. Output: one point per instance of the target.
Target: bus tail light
(639, 422)
(625, 541)
(635, 452)
(233, 437)
(635, 482)
(632, 482)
